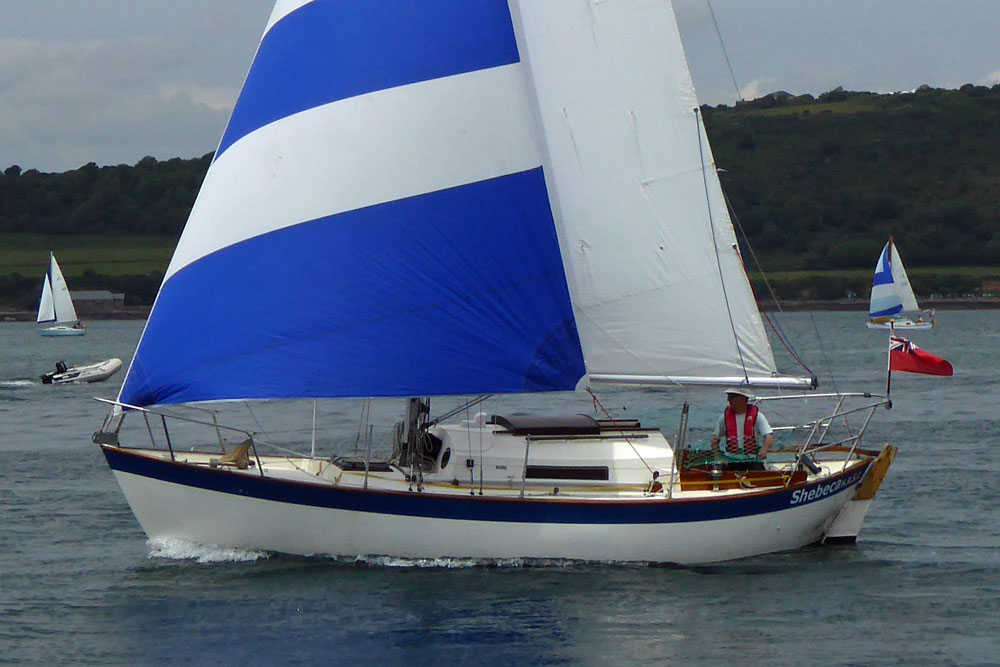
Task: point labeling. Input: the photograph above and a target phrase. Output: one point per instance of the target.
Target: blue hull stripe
(460, 291)
(478, 508)
(330, 50)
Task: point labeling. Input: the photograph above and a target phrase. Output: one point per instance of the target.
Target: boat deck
(689, 485)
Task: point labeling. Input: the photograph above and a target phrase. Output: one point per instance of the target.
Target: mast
(417, 412)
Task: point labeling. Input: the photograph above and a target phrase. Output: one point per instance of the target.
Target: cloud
(214, 97)
(108, 101)
(991, 79)
(758, 88)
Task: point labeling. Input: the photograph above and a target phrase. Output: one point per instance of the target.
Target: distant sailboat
(56, 305)
(893, 304)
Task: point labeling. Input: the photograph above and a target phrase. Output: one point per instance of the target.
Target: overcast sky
(111, 81)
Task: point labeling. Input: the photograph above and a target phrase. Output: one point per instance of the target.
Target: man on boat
(744, 428)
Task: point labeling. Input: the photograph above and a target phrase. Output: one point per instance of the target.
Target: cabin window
(445, 458)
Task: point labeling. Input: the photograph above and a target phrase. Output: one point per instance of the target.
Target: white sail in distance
(56, 304)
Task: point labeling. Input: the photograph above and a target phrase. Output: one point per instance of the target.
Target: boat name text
(804, 496)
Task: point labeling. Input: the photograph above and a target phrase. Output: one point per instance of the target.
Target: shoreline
(790, 305)
(132, 313)
(861, 305)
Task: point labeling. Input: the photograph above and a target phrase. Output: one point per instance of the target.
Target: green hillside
(821, 184)
(817, 186)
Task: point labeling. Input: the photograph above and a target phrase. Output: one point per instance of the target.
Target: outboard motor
(49, 377)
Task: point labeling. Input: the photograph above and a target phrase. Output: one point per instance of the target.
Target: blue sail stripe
(474, 508)
(330, 50)
(885, 298)
(887, 311)
(460, 291)
(882, 278)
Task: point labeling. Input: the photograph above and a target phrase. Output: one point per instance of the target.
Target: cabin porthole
(445, 458)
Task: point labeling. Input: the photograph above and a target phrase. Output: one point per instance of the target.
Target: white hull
(62, 331)
(243, 511)
(848, 523)
(901, 324)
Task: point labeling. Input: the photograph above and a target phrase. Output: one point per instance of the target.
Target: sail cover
(408, 195)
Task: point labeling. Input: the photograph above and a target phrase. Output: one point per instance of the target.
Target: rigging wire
(607, 414)
(363, 422)
(725, 52)
(715, 244)
(259, 425)
(775, 324)
(468, 432)
(482, 428)
(822, 350)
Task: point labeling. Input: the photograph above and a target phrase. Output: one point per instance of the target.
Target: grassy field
(850, 107)
(28, 254)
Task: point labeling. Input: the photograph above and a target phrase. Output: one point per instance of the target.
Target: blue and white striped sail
(891, 290)
(409, 193)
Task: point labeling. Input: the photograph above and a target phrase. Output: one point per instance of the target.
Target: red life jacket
(749, 433)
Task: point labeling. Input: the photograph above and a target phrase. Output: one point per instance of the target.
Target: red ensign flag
(906, 357)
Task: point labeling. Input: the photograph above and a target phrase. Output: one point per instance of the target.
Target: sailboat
(450, 199)
(56, 305)
(893, 304)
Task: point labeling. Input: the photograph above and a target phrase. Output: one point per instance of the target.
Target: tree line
(821, 183)
(814, 182)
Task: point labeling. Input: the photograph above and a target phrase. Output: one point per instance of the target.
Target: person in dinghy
(744, 427)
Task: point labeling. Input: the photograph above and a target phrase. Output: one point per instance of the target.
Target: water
(79, 582)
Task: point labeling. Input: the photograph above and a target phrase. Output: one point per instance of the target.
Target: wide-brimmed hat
(739, 392)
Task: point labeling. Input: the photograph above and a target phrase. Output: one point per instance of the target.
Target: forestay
(409, 193)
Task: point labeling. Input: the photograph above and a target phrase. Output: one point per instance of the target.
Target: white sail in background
(906, 296)
(891, 290)
(56, 304)
(46, 311)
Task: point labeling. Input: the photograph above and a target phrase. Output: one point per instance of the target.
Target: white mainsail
(658, 285)
(56, 304)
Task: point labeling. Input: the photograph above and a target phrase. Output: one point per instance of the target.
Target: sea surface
(80, 584)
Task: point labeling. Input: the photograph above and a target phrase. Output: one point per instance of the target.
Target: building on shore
(97, 302)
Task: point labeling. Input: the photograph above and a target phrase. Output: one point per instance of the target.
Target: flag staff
(888, 363)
